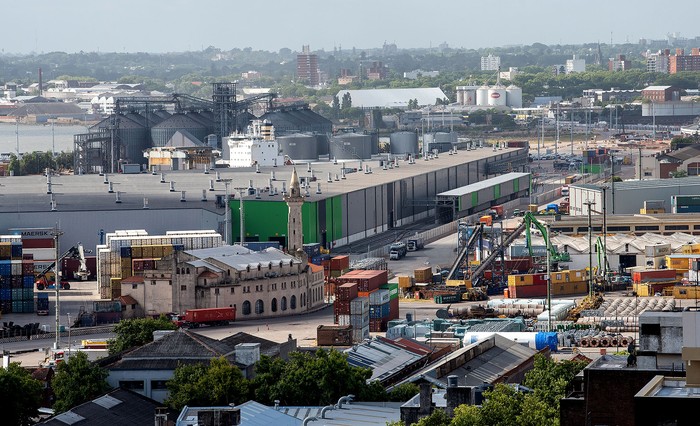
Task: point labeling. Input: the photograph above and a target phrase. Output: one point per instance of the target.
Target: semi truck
(206, 316)
(415, 244)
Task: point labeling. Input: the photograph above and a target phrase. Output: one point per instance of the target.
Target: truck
(486, 220)
(46, 279)
(496, 212)
(206, 316)
(564, 207)
(414, 244)
(565, 191)
(397, 250)
(551, 208)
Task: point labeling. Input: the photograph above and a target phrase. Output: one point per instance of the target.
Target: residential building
(575, 65)
(661, 93)
(413, 75)
(510, 74)
(377, 71)
(307, 67)
(682, 62)
(490, 63)
(619, 63)
(659, 61)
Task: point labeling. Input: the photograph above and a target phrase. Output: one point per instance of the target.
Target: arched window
(188, 271)
(284, 303)
(273, 305)
(293, 302)
(259, 266)
(247, 268)
(259, 306)
(246, 308)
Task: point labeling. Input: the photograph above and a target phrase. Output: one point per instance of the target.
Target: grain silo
(163, 131)
(299, 146)
(351, 146)
(514, 96)
(403, 143)
(133, 137)
(497, 96)
(482, 96)
(322, 143)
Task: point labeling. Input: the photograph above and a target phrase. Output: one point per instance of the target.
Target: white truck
(414, 244)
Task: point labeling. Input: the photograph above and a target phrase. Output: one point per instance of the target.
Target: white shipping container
(657, 250)
(344, 320)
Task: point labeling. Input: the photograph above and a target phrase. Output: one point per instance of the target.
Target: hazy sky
(180, 25)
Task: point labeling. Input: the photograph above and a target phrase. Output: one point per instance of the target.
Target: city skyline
(160, 26)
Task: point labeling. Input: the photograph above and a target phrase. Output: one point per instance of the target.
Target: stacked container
(367, 281)
(341, 308)
(359, 318)
(16, 277)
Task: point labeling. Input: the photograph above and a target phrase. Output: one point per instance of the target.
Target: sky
(159, 26)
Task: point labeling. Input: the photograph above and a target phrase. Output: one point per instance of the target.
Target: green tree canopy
(137, 332)
(77, 380)
(218, 383)
(20, 395)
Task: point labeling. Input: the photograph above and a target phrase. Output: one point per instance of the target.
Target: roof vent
(272, 175)
(218, 176)
(211, 184)
(330, 178)
(162, 178)
(182, 197)
(172, 186)
(106, 179)
(119, 198)
(318, 188)
(110, 188)
(204, 195)
(206, 170)
(257, 168)
(308, 167)
(145, 203)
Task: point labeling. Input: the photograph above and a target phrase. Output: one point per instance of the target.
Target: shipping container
(379, 297)
(423, 275)
(580, 287)
(657, 250)
(448, 298)
(360, 335)
(346, 292)
(359, 306)
(327, 335)
(519, 292)
(653, 275)
(406, 281)
(338, 263)
(366, 280)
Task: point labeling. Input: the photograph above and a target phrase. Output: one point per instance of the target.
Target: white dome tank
(497, 96)
(482, 96)
(514, 96)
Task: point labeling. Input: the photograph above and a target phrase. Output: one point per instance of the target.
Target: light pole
(227, 213)
(588, 204)
(55, 233)
(548, 243)
(69, 341)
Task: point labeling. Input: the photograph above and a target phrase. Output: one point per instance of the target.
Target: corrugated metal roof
(644, 184)
(255, 414)
(177, 121)
(360, 414)
(382, 357)
(392, 98)
(657, 87)
(464, 190)
(242, 260)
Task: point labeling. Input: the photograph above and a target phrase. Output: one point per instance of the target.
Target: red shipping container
(377, 325)
(346, 292)
(326, 265)
(653, 275)
(341, 307)
(338, 263)
(394, 309)
(538, 279)
(526, 291)
(365, 293)
(366, 280)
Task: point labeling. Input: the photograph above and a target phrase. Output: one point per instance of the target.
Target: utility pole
(227, 212)
(55, 233)
(556, 141)
(548, 242)
(612, 179)
(589, 204)
(605, 238)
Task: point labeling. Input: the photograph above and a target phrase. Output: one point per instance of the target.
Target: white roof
(393, 98)
(474, 187)
(657, 87)
(616, 244)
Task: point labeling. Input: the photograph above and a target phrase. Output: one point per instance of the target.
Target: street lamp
(55, 233)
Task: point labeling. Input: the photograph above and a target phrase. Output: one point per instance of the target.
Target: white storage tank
(469, 97)
(403, 143)
(482, 96)
(514, 96)
(460, 95)
(497, 96)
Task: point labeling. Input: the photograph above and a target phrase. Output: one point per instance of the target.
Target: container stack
(312, 250)
(378, 310)
(16, 277)
(360, 319)
(336, 266)
(128, 253)
(568, 282)
(370, 264)
(651, 281)
(344, 294)
(366, 301)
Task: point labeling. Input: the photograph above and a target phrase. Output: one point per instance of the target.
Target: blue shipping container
(16, 251)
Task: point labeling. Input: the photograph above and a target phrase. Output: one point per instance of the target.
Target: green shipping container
(393, 289)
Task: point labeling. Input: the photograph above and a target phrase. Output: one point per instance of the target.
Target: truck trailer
(206, 316)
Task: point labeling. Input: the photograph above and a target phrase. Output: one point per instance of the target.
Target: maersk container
(534, 340)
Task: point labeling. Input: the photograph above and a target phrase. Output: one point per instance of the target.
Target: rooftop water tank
(351, 146)
(403, 143)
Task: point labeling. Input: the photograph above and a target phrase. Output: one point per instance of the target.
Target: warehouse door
(627, 261)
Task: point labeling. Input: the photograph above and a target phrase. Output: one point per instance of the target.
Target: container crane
(45, 279)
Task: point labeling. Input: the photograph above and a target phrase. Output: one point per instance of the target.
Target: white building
(659, 61)
(510, 74)
(490, 63)
(413, 75)
(255, 147)
(575, 65)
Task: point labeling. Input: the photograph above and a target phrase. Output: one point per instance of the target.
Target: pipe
(325, 409)
(342, 399)
(309, 419)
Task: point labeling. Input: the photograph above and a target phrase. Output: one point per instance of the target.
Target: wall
(147, 376)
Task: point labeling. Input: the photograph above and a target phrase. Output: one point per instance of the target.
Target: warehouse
(343, 202)
(628, 197)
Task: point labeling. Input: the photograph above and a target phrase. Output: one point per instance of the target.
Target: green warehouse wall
(266, 219)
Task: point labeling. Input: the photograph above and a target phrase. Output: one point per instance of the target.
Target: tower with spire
(294, 200)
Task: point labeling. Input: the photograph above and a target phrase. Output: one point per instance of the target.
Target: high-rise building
(619, 63)
(575, 65)
(682, 62)
(490, 63)
(307, 67)
(659, 62)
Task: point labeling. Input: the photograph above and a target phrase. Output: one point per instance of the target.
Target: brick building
(682, 62)
(307, 67)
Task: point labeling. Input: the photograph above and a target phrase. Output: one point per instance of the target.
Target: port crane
(46, 280)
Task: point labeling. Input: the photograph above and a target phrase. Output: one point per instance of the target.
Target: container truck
(414, 244)
(207, 316)
(42, 304)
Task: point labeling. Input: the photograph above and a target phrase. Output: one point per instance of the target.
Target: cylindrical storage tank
(375, 143)
(497, 96)
(482, 96)
(351, 146)
(322, 143)
(403, 143)
(163, 131)
(460, 95)
(133, 138)
(445, 137)
(212, 140)
(514, 96)
(469, 97)
(299, 146)
(534, 340)
(428, 139)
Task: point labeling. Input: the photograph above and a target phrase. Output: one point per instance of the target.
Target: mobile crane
(46, 278)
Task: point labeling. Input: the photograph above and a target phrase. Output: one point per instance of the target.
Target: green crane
(529, 219)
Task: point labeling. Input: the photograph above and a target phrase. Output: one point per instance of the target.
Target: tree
(77, 380)
(218, 383)
(346, 102)
(403, 392)
(137, 332)
(502, 405)
(335, 108)
(20, 395)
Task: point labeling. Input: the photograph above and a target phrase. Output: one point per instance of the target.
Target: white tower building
(294, 200)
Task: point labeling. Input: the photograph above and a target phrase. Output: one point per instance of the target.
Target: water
(38, 137)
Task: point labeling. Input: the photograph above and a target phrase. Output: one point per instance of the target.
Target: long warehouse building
(343, 202)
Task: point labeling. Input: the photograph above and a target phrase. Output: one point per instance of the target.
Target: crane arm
(530, 219)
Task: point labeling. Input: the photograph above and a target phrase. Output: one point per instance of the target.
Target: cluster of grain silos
(490, 96)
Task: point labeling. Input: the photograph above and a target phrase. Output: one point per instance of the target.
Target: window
(651, 329)
(293, 302)
(676, 227)
(259, 306)
(618, 228)
(159, 384)
(188, 271)
(153, 282)
(136, 385)
(646, 228)
(284, 303)
(246, 308)
(694, 169)
(233, 290)
(134, 286)
(183, 287)
(273, 305)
